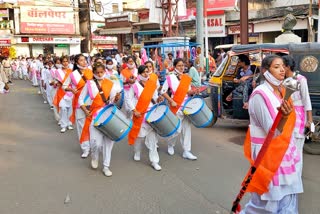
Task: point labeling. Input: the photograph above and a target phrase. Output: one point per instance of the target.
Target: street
(41, 171)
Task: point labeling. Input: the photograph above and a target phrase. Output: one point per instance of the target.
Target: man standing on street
(7, 69)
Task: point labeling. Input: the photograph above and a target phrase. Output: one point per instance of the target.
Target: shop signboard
(216, 26)
(191, 15)
(213, 5)
(5, 41)
(116, 22)
(47, 20)
(49, 40)
(4, 13)
(235, 29)
(57, 3)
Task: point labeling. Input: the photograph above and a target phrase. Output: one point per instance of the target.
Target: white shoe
(170, 150)
(94, 163)
(39, 92)
(45, 102)
(107, 172)
(189, 155)
(136, 156)
(70, 128)
(51, 108)
(63, 130)
(156, 166)
(85, 154)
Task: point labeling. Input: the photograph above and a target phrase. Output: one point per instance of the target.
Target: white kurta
(281, 197)
(79, 115)
(98, 141)
(146, 133)
(172, 82)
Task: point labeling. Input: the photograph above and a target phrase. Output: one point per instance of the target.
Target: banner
(220, 5)
(47, 20)
(216, 26)
(57, 3)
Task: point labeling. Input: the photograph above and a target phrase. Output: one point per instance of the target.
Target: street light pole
(200, 28)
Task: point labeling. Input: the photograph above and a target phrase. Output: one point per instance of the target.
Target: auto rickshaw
(221, 83)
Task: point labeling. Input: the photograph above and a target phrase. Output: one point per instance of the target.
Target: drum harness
(105, 100)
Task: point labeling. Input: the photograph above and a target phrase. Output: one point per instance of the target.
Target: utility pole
(310, 32)
(200, 29)
(244, 22)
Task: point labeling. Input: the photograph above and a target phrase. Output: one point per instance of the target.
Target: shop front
(105, 45)
(33, 46)
(120, 26)
(5, 44)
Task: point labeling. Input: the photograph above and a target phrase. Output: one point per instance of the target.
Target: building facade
(46, 27)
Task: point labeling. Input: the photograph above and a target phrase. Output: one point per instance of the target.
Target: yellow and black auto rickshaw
(221, 83)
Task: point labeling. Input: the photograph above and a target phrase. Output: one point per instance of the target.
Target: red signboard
(191, 13)
(5, 41)
(220, 4)
(47, 20)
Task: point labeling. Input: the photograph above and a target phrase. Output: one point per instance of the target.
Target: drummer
(103, 88)
(171, 84)
(144, 132)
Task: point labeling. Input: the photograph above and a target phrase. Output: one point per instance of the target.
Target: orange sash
(60, 92)
(181, 92)
(97, 103)
(142, 106)
(87, 73)
(272, 158)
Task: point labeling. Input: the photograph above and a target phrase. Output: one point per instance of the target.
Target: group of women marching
(90, 96)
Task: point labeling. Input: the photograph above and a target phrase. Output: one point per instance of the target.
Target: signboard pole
(200, 28)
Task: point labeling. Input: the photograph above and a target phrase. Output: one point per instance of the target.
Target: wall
(75, 49)
(22, 49)
(286, 3)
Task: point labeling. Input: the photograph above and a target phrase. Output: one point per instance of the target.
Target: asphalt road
(40, 168)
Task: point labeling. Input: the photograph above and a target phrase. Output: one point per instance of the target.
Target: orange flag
(181, 92)
(95, 106)
(271, 160)
(126, 73)
(142, 106)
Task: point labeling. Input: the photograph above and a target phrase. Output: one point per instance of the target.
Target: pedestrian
(302, 106)
(142, 132)
(280, 186)
(129, 76)
(7, 69)
(63, 99)
(102, 89)
(173, 81)
(77, 79)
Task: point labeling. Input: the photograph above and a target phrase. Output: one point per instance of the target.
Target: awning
(150, 32)
(114, 31)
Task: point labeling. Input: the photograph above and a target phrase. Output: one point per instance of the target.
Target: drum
(113, 123)
(162, 120)
(198, 112)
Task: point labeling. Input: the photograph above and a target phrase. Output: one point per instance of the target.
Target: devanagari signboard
(47, 20)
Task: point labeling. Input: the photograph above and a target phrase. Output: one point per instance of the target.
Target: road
(40, 168)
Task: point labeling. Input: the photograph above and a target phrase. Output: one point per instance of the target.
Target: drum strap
(105, 100)
(152, 100)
